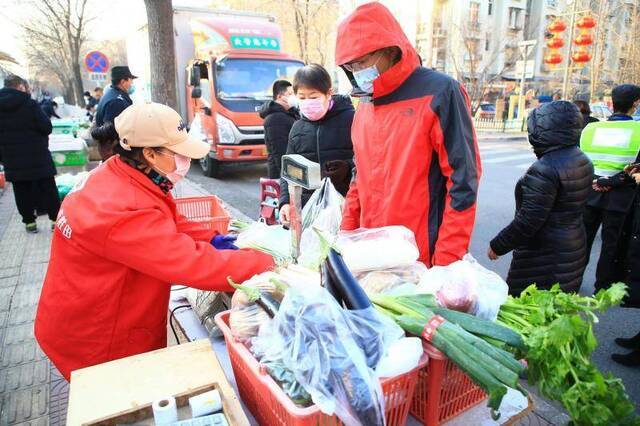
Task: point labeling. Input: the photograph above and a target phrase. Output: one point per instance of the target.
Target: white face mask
(292, 100)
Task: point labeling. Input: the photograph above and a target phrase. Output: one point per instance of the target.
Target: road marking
(508, 158)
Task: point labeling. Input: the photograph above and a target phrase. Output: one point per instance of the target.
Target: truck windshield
(251, 78)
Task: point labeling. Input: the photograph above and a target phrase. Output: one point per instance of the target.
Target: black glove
(339, 172)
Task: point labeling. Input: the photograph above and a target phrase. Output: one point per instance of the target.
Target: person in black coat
(323, 133)
(279, 116)
(49, 107)
(24, 149)
(547, 234)
(585, 110)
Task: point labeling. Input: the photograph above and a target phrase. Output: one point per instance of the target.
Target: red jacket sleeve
(149, 242)
(194, 229)
(454, 140)
(351, 210)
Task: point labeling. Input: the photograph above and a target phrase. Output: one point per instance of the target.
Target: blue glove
(224, 242)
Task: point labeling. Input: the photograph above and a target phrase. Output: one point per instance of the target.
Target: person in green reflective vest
(612, 145)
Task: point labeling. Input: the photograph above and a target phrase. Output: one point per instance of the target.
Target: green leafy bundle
(558, 331)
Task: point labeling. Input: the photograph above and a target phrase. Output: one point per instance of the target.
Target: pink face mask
(182, 168)
(314, 109)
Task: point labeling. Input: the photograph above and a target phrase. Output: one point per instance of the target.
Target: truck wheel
(210, 167)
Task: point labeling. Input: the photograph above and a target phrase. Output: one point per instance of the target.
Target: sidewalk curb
(493, 137)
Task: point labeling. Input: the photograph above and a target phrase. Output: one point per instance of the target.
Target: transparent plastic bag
(274, 240)
(321, 343)
(467, 286)
(378, 248)
(492, 291)
(246, 316)
(322, 213)
(388, 280)
(245, 322)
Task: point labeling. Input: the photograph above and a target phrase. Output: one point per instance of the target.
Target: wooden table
(130, 384)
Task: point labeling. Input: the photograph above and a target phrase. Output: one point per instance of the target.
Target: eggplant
(328, 284)
(345, 283)
(262, 299)
(268, 303)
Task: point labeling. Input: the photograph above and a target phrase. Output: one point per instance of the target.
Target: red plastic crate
(443, 390)
(207, 211)
(272, 407)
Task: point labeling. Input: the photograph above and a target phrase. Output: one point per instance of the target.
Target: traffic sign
(96, 62)
(530, 68)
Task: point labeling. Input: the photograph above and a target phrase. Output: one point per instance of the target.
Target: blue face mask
(365, 77)
(131, 89)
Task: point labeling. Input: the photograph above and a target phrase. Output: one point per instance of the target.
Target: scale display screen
(295, 172)
(298, 170)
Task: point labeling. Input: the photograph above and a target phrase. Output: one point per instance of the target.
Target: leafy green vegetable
(558, 331)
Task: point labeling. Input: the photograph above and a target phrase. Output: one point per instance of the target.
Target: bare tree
(478, 72)
(307, 24)
(5, 59)
(306, 12)
(54, 35)
(163, 66)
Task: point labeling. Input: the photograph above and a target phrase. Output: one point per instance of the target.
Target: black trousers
(633, 258)
(36, 194)
(611, 264)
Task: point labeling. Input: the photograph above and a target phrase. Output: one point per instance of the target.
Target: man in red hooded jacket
(416, 155)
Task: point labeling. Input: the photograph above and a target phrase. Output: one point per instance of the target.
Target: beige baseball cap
(155, 125)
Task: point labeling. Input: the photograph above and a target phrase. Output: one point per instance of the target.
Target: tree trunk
(77, 80)
(163, 61)
(69, 93)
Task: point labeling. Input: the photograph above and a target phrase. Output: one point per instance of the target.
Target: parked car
(600, 111)
(486, 110)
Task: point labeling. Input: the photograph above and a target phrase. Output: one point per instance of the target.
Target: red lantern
(586, 22)
(581, 56)
(553, 59)
(555, 43)
(585, 39)
(557, 26)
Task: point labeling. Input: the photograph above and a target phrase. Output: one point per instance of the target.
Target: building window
(514, 17)
(490, 8)
(474, 12)
(487, 43)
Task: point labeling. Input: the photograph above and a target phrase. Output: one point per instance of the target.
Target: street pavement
(504, 161)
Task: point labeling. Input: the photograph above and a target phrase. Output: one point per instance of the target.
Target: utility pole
(524, 49)
(598, 52)
(567, 69)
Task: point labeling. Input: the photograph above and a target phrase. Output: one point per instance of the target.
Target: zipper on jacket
(318, 146)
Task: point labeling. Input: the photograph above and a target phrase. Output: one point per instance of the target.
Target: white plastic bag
(403, 356)
(274, 239)
(467, 286)
(388, 280)
(322, 213)
(378, 248)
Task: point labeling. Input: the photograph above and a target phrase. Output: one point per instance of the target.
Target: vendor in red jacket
(416, 155)
(119, 243)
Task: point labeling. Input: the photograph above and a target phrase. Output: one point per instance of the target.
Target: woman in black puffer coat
(547, 233)
(323, 133)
